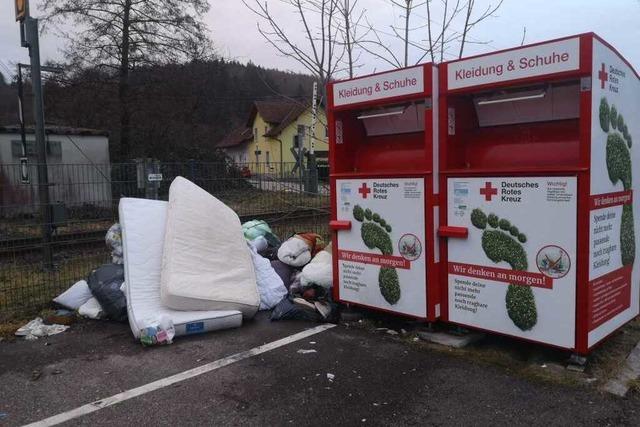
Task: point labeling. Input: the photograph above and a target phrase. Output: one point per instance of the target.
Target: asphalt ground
(378, 379)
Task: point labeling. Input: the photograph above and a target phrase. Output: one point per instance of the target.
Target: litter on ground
(37, 329)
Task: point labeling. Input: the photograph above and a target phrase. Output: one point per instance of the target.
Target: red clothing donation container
(382, 133)
(538, 235)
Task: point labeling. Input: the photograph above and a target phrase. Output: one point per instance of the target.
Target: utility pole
(24, 159)
(312, 175)
(29, 38)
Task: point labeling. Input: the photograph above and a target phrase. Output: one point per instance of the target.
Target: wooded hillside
(179, 111)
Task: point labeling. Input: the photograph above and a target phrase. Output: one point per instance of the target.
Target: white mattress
(206, 263)
(143, 227)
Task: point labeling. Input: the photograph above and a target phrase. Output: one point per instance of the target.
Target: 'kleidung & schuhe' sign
(408, 81)
(516, 64)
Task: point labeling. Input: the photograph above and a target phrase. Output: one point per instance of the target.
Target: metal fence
(84, 204)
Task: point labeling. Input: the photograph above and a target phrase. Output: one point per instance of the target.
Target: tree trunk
(347, 29)
(466, 27)
(406, 32)
(123, 84)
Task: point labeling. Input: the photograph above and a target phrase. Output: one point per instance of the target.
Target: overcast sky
(233, 29)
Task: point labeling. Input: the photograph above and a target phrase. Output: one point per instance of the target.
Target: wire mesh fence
(83, 204)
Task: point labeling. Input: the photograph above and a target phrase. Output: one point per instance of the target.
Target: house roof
(278, 113)
(55, 130)
(236, 137)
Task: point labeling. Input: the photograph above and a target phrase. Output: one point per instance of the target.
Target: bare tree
(119, 35)
(378, 45)
(351, 37)
(448, 24)
(322, 49)
(471, 21)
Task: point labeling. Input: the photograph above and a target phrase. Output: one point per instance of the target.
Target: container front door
(515, 274)
(382, 258)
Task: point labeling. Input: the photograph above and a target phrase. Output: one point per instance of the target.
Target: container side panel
(614, 268)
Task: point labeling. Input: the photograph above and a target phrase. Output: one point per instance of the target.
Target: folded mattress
(143, 228)
(206, 263)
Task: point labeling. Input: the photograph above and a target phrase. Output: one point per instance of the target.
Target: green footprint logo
(619, 167)
(375, 235)
(500, 246)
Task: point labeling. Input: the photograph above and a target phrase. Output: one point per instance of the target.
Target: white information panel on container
(540, 60)
(614, 270)
(515, 273)
(382, 259)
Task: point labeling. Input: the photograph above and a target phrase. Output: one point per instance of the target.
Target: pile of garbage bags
(294, 277)
(101, 295)
(203, 268)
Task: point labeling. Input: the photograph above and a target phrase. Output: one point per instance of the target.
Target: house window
(267, 156)
(326, 132)
(301, 131)
(54, 149)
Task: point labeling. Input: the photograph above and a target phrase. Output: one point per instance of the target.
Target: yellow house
(275, 127)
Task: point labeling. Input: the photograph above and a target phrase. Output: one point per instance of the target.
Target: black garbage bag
(288, 310)
(104, 283)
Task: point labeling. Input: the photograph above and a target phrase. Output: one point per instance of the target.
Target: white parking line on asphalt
(165, 382)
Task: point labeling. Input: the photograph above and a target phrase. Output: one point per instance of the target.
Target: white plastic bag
(319, 271)
(75, 296)
(270, 286)
(113, 239)
(91, 309)
(157, 331)
(36, 329)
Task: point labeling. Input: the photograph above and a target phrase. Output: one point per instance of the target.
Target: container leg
(577, 362)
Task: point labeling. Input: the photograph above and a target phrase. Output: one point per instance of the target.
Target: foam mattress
(206, 263)
(143, 228)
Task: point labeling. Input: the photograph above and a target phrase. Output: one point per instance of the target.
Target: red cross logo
(364, 190)
(488, 191)
(603, 76)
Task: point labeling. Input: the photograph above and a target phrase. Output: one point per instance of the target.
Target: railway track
(69, 241)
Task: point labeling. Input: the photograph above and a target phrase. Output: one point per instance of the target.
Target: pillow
(75, 296)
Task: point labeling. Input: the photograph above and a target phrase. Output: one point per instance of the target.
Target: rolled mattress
(206, 263)
(143, 229)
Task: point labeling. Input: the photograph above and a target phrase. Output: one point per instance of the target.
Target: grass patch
(10, 231)
(606, 361)
(634, 385)
(259, 202)
(9, 328)
(26, 289)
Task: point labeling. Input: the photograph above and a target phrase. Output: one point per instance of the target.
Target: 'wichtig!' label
(388, 85)
(515, 64)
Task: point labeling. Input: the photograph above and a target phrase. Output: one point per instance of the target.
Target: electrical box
(384, 182)
(538, 234)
